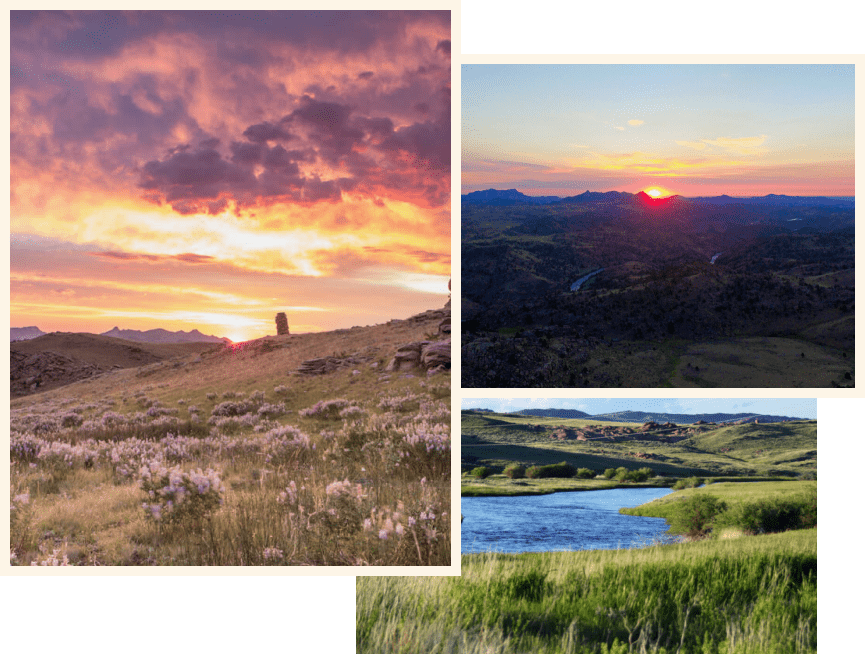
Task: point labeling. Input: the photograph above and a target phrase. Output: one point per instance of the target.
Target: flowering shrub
(285, 445)
(401, 404)
(71, 419)
(352, 413)
(285, 507)
(289, 495)
(175, 496)
(344, 508)
(344, 489)
(56, 557)
(273, 554)
(20, 515)
(268, 410)
(325, 409)
(233, 408)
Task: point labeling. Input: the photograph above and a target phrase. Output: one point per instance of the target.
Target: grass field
(752, 594)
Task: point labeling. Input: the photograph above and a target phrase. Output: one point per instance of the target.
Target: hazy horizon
(792, 407)
(570, 192)
(207, 170)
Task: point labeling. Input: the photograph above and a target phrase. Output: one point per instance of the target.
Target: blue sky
(689, 129)
(795, 408)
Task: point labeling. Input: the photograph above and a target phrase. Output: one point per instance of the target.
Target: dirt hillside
(101, 363)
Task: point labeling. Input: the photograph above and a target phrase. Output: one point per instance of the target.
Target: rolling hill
(651, 416)
(786, 448)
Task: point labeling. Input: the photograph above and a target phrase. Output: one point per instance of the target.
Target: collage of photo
(240, 241)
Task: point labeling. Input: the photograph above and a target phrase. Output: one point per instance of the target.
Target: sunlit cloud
(697, 145)
(746, 145)
(635, 123)
(199, 144)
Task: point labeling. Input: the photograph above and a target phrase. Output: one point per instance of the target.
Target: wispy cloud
(635, 123)
(744, 145)
(748, 145)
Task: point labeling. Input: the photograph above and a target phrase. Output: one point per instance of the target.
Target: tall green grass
(754, 594)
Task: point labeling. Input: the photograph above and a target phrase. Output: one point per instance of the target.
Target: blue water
(582, 280)
(585, 520)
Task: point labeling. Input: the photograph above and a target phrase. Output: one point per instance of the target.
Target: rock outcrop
(324, 365)
(431, 356)
(46, 370)
(281, 324)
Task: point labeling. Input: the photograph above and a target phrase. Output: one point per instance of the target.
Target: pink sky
(197, 170)
(696, 130)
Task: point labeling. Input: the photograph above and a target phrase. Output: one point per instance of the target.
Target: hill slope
(163, 336)
(652, 416)
(782, 448)
(56, 360)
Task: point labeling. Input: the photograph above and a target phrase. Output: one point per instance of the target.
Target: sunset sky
(693, 130)
(206, 170)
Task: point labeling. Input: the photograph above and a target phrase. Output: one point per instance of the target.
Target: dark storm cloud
(416, 156)
(202, 173)
(264, 132)
(100, 33)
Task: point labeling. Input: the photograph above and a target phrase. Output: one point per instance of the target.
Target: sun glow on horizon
(658, 192)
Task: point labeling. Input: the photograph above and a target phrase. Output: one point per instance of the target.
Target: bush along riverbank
(727, 509)
(517, 479)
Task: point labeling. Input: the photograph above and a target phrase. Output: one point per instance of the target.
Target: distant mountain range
(25, 333)
(164, 336)
(149, 336)
(493, 197)
(648, 416)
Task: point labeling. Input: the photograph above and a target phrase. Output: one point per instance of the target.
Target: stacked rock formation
(434, 356)
(281, 324)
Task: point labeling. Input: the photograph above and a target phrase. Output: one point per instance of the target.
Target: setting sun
(658, 192)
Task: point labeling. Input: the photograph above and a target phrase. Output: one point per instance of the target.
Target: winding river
(582, 280)
(715, 257)
(584, 520)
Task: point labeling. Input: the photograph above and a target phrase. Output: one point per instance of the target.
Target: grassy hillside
(786, 449)
(230, 457)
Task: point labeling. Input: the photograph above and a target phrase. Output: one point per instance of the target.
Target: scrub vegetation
(232, 459)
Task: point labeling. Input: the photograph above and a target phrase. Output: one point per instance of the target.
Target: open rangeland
(230, 456)
(714, 451)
